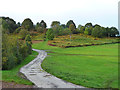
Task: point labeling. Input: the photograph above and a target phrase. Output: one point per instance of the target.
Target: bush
(29, 44)
(49, 34)
(40, 29)
(13, 51)
(17, 30)
(23, 33)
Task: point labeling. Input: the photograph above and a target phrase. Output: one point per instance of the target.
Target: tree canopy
(8, 24)
(55, 23)
(43, 24)
(69, 23)
(27, 24)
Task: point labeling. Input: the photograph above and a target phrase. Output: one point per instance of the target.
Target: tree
(88, 30)
(69, 23)
(27, 24)
(99, 32)
(108, 32)
(55, 23)
(8, 24)
(113, 31)
(18, 24)
(71, 28)
(29, 44)
(63, 25)
(23, 33)
(79, 26)
(49, 34)
(96, 25)
(96, 31)
(43, 24)
(88, 25)
(82, 29)
(40, 29)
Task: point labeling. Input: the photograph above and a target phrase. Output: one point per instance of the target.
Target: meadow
(91, 66)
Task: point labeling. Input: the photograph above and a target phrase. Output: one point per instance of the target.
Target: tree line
(57, 28)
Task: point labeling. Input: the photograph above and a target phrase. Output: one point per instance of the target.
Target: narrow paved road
(42, 79)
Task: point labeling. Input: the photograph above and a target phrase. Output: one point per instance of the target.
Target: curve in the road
(34, 72)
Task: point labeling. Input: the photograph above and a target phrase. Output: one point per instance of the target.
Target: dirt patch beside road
(14, 85)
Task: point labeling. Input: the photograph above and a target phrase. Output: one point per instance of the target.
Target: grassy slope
(12, 75)
(90, 69)
(80, 39)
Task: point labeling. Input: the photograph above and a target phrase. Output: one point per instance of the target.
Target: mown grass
(92, 66)
(80, 40)
(12, 75)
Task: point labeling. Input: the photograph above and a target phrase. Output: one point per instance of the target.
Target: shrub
(17, 30)
(13, 51)
(29, 44)
(23, 33)
(49, 34)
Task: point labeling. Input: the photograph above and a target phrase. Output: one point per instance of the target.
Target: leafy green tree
(79, 26)
(55, 24)
(69, 23)
(27, 24)
(18, 24)
(99, 32)
(96, 25)
(113, 31)
(108, 34)
(56, 30)
(49, 34)
(43, 24)
(88, 25)
(13, 51)
(63, 25)
(88, 30)
(71, 28)
(40, 29)
(17, 30)
(23, 33)
(82, 29)
(96, 31)
(29, 43)
(65, 31)
(8, 24)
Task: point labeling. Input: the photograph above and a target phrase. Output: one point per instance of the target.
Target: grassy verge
(12, 75)
(92, 66)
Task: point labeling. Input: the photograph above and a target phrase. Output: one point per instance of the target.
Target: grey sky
(103, 12)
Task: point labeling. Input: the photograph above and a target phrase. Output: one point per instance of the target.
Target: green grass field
(12, 75)
(91, 66)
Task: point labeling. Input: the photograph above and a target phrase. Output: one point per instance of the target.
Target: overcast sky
(103, 12)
